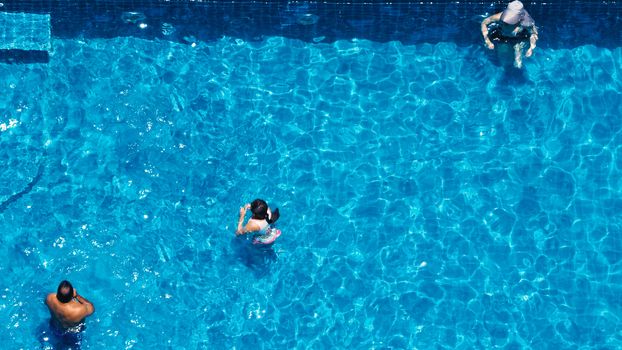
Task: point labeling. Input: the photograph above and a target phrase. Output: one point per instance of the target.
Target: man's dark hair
(64, 293)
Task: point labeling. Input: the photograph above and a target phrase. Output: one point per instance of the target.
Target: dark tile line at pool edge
(14, 56)
(5, 204)
(50, 3)
(409, 24)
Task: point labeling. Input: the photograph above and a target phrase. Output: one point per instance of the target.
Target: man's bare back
(67, 308)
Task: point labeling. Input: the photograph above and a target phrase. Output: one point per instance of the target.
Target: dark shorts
(62, 338)
(62, 332)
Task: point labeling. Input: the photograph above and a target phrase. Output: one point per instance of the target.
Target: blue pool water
(430, 198)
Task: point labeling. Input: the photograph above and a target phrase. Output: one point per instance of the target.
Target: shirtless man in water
(67, 308)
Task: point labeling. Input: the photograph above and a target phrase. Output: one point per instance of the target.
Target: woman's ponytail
(274, 217)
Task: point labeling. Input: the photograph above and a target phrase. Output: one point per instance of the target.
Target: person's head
(64, 293)
(261, 211)
(515, 14)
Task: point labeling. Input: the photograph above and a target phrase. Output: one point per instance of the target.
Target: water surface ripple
(429, 197)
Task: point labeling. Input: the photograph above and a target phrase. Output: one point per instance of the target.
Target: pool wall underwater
(571, 23)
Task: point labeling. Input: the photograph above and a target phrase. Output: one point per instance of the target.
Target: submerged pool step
(25, 31)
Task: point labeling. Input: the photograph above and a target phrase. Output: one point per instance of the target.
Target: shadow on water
(257, 257)
(514, 76)
(509, 81)
(509, 78)
(51, 338)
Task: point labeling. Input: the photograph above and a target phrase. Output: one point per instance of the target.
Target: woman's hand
(244, 209)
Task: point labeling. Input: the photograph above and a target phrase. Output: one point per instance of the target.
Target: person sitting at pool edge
(67, 308)
(261, 220)
(515, 27)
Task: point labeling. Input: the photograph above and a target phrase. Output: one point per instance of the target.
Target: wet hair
(259, 208)
(64, 293)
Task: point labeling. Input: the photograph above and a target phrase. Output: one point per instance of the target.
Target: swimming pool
(429, 197)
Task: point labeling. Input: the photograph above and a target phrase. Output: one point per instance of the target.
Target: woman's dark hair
(64, 293)
(274, 217)
(259, 208)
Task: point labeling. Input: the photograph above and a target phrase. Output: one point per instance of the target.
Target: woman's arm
(485, 23)
(250, 226)
(240, 229)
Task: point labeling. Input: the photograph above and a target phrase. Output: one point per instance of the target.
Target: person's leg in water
(505, 54)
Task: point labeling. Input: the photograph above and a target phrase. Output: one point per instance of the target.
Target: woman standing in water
(260, 222)
(513, 27)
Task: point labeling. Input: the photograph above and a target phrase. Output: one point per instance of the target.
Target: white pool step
(25, 31)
